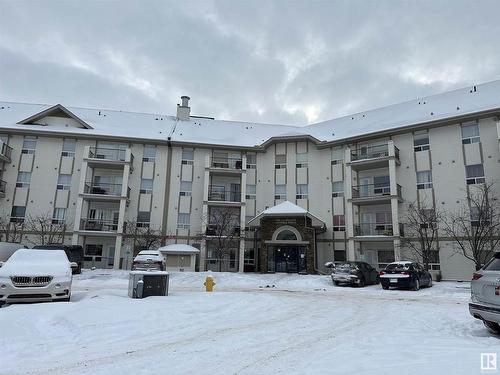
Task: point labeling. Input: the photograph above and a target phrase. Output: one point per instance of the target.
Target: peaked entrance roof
(285, 209)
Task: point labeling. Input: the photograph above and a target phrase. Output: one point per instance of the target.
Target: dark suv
(73, 252)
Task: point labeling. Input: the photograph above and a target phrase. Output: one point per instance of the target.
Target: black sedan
(355, 273)
(405, 275)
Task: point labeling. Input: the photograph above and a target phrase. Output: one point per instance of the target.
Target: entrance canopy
(179, 248)
(286, 209)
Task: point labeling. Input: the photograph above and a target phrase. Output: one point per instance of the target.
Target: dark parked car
(73, 252)
(405, 274)
(354, 273)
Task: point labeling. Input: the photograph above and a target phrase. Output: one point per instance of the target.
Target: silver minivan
(485, 294)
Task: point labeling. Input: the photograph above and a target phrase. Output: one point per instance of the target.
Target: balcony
(371, 230)
(373, 194)
(104, 191)
(212, 231)
(109, 157)
(232, 165)
(5, 152)
(106, 227)
(374, 156)
(218, 194)
(3, 187)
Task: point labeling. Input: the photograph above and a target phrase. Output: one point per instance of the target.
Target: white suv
(485, 294)
(36, 276)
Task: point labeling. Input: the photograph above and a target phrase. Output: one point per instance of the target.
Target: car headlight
(57, 286)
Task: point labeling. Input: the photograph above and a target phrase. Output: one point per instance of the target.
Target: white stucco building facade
(97, 169)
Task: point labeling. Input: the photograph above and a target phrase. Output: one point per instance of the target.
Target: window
(280, 192)
(93, 253)
(186, 188)
(187, 156)
(59, 216)
(339, 255)
(251, 191)
(23, 179)
(286, 235)
(474, 174)
(301, 160)
(146, 186)
(69, 146)
(183, 221)
(301, 191)
(338, 223)
(477, 218)
(338, 189)
(421, 141)
(382, 185)
(149, 153)
(29, 145)
(220, 159)
(337, 155)
(17, 214)
(428, 216)
(251, 161)
(470, 133)
(280, 162)
(424, 180)
(143, 219)
(64, 182)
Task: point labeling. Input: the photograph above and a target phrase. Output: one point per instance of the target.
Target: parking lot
(303, 324)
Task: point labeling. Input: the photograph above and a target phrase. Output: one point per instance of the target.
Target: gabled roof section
(56, 111)
(286, 208)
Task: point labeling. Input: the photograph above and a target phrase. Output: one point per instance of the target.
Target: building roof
(179, 248)
(158, 127)
(286, 209)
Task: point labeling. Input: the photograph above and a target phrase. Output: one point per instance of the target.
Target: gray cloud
(289, 62)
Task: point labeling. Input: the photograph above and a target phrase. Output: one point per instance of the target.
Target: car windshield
(398, 267)
(493, 264)
(346, 266)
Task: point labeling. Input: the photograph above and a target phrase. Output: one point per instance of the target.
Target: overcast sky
(290, 62)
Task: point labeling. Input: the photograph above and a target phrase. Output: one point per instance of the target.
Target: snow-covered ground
(302, 325)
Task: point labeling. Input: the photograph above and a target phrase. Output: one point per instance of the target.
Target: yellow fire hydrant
(209, 284)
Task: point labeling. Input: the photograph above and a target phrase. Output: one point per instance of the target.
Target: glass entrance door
(287, 259)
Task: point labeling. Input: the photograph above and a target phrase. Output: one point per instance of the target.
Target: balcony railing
(213, 230)
(376, 229)
(6, 151)
(373, 190)
(112, 154)
(99, 225)
(102, 188)
(373, 152)
(219, 195)
(3, 186)
(226, 163)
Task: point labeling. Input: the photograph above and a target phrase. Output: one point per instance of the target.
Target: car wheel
(377, 280)
(336, 283)
(417, 285)
(385, 286)
(361, 283)
(430, 282)
(493, 327)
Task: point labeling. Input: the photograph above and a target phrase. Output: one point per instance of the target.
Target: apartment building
(295, 197)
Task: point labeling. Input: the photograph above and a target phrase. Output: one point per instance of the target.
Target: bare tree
(475, 225)
(10, 232)
(223, 231)
(141, 236)
(421, 231)
(44, 230)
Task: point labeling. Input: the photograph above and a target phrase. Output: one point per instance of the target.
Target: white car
(485, 294)
(36, 276)
(149, 260)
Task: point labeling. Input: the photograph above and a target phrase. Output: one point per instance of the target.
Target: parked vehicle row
(403, 274)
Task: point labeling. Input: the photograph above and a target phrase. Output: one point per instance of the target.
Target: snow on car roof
(178, 248)
(161, 127)
(36, 262)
